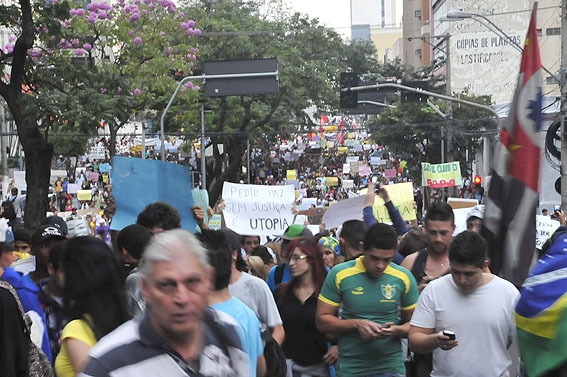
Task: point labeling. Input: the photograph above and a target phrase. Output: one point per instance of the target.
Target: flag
(510, 219)
(341, 137)
(541, 312)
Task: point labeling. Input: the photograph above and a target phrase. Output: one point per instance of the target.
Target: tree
(82, 66)
(310, 59)
(414, 131)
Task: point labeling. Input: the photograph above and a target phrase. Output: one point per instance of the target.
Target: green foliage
(414, 130)
(69, 146)
(101, 62)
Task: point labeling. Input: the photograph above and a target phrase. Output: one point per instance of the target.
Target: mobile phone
(450, 334)
(557, 208)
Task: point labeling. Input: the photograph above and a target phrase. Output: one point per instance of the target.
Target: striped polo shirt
(135, 349)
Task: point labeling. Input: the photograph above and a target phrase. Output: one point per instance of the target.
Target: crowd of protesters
(363, 299)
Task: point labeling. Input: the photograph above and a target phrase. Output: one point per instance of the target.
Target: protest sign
(91, 175)
(293, 182)
(20, 181)
(307, 203)
(343, 149)
(390, 173)
(357, 148)
(257, 209)
(364, 170)
(291, 174)
(544, 227)
(105, 168)
(351, 159)
(354, 166)
(461, 216)
(215, 222)
(137, 182)
(375, 161)
(343, 210)
(73, 188)
(366, 147)
(331, 181)
(401, 195)
(201, 199)
(441, 175)
(346, 168)
(97, 153)
(84, 195)
(462, 203)
(347, 183)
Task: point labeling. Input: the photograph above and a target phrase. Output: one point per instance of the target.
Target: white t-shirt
(483, 322)
(255, 293)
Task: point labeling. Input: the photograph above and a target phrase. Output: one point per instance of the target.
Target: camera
(557, 208)
(450, 334)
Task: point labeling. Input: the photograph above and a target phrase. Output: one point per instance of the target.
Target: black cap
(47, 231)
(56, 220)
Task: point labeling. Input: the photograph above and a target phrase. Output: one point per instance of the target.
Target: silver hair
(165, 245)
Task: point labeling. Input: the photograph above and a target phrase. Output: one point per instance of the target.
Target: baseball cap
(47, 231)
(295, 231)
(56, 220)
(477, 211)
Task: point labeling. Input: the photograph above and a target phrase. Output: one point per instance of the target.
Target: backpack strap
(418, 268)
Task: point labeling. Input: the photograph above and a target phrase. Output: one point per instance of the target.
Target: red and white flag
(510, 219)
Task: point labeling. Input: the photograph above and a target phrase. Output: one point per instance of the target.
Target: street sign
(260, 80)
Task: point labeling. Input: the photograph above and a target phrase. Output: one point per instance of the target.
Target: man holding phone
(466, 318)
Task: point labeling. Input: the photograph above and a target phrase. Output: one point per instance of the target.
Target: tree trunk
(112, 143)
(38, 163)
(229, 174)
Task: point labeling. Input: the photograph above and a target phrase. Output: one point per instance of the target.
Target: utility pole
(563, 84)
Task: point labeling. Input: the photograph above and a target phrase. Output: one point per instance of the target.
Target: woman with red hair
(304, 346)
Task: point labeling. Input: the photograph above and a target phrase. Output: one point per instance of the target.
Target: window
(418, 52)
(553, 31)
(539, 32)
(550, 80)
(417, 13)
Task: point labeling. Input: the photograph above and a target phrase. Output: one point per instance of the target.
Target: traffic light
(349, 99)
(477, 180)
(101, 124)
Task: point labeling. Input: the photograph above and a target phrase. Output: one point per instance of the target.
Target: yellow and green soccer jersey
(380, 300)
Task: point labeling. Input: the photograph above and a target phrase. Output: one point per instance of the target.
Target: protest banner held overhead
(257, 209)
(138, 182)
(441, 175)
(401, 195)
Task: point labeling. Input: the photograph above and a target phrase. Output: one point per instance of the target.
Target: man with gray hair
(179, 335)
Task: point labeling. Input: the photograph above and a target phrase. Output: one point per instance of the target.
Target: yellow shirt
(77, 329)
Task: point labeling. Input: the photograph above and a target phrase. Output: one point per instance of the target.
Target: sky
(332, 13)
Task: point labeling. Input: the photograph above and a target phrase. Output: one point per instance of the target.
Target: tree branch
(23, 44)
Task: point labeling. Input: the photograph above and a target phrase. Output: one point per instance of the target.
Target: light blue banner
(137, 182)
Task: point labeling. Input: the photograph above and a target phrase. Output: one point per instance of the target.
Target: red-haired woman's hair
(308, 246)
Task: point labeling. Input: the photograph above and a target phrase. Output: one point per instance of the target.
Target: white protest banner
(357, 148)
(375, 160)
(351, 159)
(73, 188)
(97, 153)
(461, 215)
(343, 210)
(544, 227)
(366, 147)
(258, 210)
(346, 168)
(20, 181)
(347, 183)
(307, 203)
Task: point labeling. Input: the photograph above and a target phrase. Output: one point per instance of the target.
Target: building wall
(412, 24)
(384, 39)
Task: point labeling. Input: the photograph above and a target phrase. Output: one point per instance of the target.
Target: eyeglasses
(296, 257)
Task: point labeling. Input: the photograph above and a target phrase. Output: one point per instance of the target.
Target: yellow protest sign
(291, 174)
(331, 181)
(401, 195)
(84, 195)
(343, 149)
(441, 175)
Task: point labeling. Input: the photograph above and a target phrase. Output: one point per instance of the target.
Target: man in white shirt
(476, 306)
